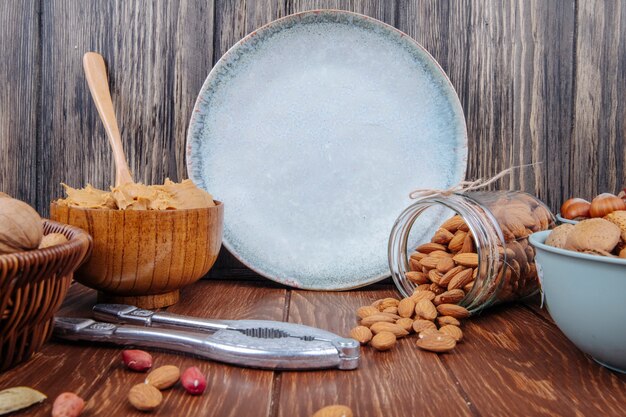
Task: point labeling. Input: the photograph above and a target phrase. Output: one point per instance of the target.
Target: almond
(444, 265)
(391, 310)
(425, 309)
(406, 307)
(420, 325)
(453, 224)
(431, 330)
(434, 276)
(468, 244)
(469, 259)
(365, 311)
(453, 331)
(398, 331)
(447, 277)
(383, 341)
(335, 410)
(163, 377)
(456, 243)
(145, 397)
(436, 342)
(453, 310)
(375, 318)
(442, 236)
(417, 277)
(423, 287)
(439, 254)
(436, 289)
(418, 256)
(429, 262)
(447, 320)
(422, 295)
(468, 287)
(414, 265)
(406, 323)
(453, 296)
(388, 302)
(430, 247)
(361, 334)
(461, 279)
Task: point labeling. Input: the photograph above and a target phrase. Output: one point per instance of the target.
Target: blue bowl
(564, 220)
(585, 296)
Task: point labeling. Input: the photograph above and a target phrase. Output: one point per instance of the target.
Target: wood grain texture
(512, 362)
(144, 257)
(511, 64)
(96, 373)
(231, 391)
(398, 382)
(158, 54)
(512, 356)
(539, 81)
(19, 95)
(597, 146)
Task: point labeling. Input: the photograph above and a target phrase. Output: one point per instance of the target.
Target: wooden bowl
(144, 257)
(32, 286)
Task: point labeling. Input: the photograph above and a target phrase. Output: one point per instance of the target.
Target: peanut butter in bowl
(135, 196)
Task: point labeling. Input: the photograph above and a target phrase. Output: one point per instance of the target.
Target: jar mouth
(487, 236)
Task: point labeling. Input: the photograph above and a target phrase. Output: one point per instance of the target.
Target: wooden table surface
(513, 362)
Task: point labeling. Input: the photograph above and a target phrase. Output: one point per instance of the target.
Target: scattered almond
(163, 377)
(334, 411)
(361, 334)
(391, 310)
(445, 265)
(381, 327)
(365, 311)
(453, 331)
(447, 320)
(453, 310)
(420, 325)
(406, 323)
(383, 341)
(375, 318)
(419, 295)
(436, 342)
(406, 307)
(426, 310)
(145, 397)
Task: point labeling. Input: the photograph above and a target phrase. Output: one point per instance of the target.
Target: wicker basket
(32, 287)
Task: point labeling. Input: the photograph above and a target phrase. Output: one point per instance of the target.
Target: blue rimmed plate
(313, 130)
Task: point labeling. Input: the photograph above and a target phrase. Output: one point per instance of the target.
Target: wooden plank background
(539, 81)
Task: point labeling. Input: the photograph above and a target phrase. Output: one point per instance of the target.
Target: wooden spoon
(96, 74)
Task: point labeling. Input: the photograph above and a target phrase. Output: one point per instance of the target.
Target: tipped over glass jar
(481, 251)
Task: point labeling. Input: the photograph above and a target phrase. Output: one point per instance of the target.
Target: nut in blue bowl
(585, 296)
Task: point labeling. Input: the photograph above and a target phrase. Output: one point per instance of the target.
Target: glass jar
(489, 234)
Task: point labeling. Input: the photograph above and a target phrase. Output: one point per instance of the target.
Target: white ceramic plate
(312, 131)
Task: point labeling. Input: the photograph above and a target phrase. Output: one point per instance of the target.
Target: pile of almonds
(598, 236)
(450, 260)
(435, 318)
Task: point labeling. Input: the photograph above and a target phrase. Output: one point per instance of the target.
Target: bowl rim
(217, 206)
(537, 239)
